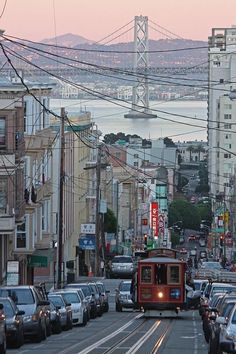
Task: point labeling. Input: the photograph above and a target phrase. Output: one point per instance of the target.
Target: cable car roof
(161, 260)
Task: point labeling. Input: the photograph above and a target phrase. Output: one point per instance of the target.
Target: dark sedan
(14, 323)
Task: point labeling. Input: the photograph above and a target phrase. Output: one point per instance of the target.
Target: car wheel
(44, 331)
(106, 308)
(84, 319)
(118, 307)
(3, 347)
(49, 329)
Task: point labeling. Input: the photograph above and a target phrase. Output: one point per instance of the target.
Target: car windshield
(19, 296)
(72, 298)
(227, 309)
(122, 260)
(219, 289)
(94, 289)
(85, 288)
(100, 288)
(7, 308)
(56, 300)
(197, 286)
(211, 265)
(125, 286)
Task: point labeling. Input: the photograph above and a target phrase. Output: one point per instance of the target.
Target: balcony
(7, 224)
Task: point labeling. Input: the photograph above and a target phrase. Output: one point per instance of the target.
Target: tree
(110, 222)
(199, 148)
(205, 212)
(182, 210)
(190, 148)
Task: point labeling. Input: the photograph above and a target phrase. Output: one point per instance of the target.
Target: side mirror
(107, 291)
(1, 306)
(58, 308)
(68, 304)
(116, 290)
(20, 313)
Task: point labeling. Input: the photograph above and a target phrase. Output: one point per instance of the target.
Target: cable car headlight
(175, 293)
(160, 294)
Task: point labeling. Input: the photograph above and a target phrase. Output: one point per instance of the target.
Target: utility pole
(97, 235)
(61, 185)
(117, 217)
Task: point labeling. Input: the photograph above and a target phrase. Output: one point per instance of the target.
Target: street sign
(88, 229)
(161, 225)
(87, 242)
(154, 218)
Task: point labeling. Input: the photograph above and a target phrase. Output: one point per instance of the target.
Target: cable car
(161, 283)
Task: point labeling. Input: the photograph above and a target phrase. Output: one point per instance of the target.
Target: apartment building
(12, 151)
(221, 108)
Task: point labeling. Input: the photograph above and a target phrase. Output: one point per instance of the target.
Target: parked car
(123, 296)
(3, 337)
(14, 323)
(98, 298)
(37, 311)
(227, 337)
(122, 266)
(89, 296)
(64, 309)
(202, 242)
(79, 314)
(55, 319)
(192, 238)
(104, 293)
(224, 311)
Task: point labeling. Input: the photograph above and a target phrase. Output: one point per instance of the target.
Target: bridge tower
(140, 94)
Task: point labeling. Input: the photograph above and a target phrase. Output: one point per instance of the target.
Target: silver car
(122, 266)
(123, 296)
(227, 338)
(3, 342)
(37, 310)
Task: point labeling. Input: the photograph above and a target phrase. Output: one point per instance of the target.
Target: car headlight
(35, 317)
(26, 318)
(122, 297)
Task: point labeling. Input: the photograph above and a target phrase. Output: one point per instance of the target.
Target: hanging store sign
(87, 229)
(154, 218)
(161, 225)
(87, 242)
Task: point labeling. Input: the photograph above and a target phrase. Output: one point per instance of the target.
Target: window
(117, 154)
(3, 196)
(227, 156)
(227, 126)
(136, 156)
(21, 235)
(146, 274)
(44, 113)
(227, 136)
(227, 116)
(173, 274)
(2, 132)
(161, 274)
(135, 164)
(228, 106)
(227, 146)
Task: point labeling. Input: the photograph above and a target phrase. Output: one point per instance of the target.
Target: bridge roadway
(77, 71)
(125, 332)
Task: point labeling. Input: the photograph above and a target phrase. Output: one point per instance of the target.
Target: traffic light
(145, 239)
(221, 240)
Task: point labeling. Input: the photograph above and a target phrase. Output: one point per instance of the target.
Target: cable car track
(162, 337)
(123, 339)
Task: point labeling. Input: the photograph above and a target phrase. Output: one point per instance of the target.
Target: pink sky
(94, 19)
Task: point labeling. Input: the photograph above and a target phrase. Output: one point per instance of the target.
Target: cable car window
(174, 274)
(146, 274)
(161, 274)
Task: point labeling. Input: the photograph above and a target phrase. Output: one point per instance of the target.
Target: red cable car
(161, 283)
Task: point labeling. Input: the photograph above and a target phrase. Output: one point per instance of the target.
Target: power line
(4, 8)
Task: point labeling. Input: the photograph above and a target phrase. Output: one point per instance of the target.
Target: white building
(221, 108)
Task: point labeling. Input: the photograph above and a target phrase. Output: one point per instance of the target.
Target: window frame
(169, 274)
(141, 278)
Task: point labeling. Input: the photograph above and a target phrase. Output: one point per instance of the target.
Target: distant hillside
(67, 40)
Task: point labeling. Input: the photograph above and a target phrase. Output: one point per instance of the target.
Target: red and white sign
(154, 218)
(161, 225)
